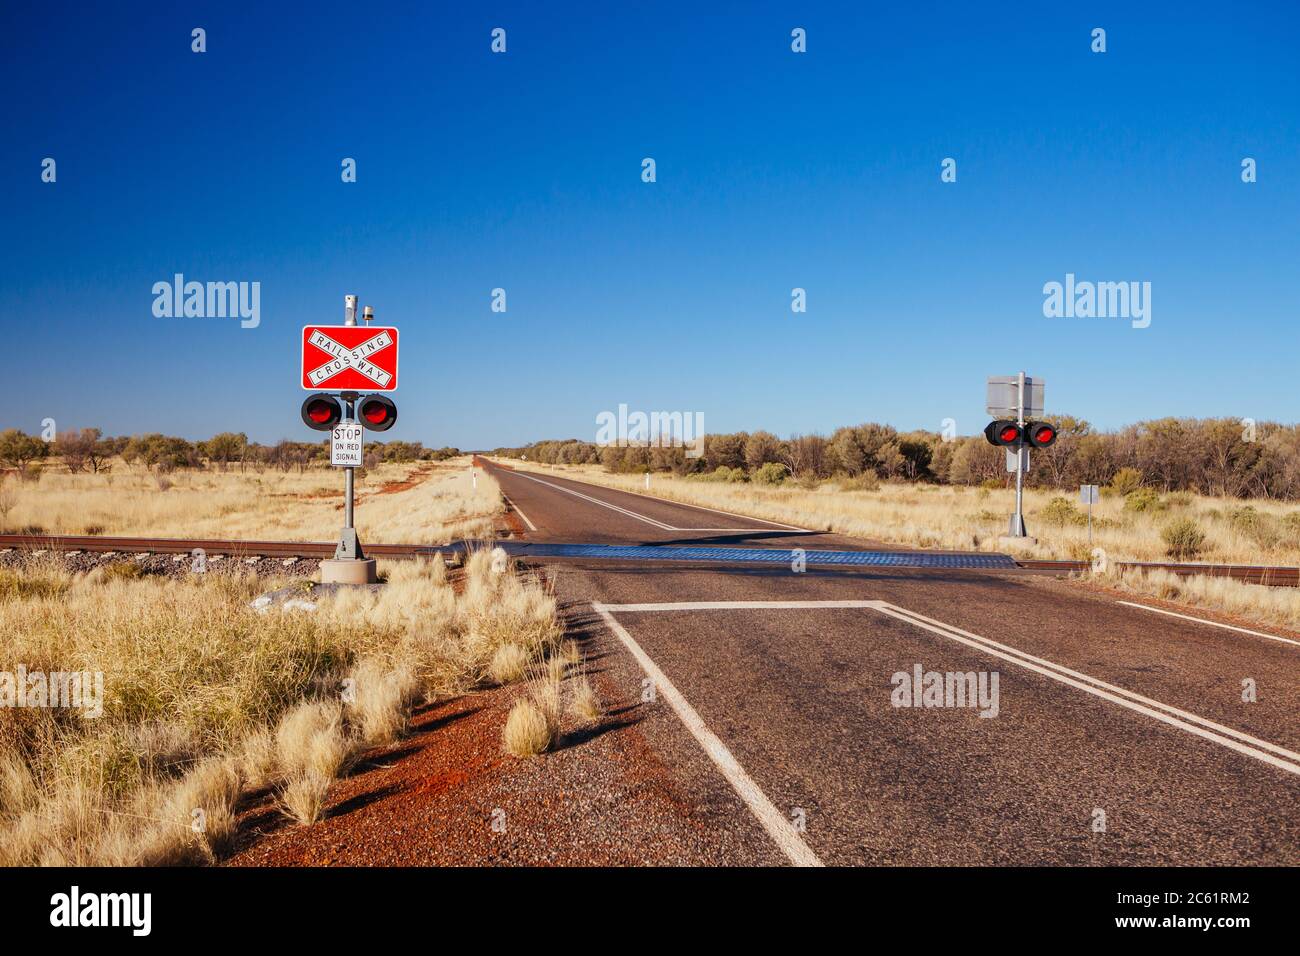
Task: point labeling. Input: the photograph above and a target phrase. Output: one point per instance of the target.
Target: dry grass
(1263, 605)
(960, 518)
(527, 732)
(583, 703)
(254, 505)
(206, 700)
(509, 664)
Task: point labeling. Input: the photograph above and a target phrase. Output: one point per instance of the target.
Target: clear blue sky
(775, 170)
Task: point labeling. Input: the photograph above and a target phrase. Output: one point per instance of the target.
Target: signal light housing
(321, 411)
(377, 413)
(1003, 432)
(1040, 434)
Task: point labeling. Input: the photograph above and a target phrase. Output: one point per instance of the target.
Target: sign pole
(1018, 519)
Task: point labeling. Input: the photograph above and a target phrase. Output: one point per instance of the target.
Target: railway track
(212, 546)
(1250, 574)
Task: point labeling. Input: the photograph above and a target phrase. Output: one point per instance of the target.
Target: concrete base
(1007, 541)
(353, 571)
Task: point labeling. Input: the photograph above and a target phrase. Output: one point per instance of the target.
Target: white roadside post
(1089, 495)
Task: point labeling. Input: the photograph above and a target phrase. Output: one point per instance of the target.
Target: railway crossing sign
(349, 358)
(347, 441)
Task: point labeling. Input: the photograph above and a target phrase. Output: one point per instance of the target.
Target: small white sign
(347, 445)
(1089, 494)
(1022, 457)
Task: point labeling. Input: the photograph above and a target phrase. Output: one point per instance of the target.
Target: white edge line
(685, 504)
(519, 511)
(780, 829)
(1201, 620)
(903, 615)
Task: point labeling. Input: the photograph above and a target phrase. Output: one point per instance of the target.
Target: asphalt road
(772, 711)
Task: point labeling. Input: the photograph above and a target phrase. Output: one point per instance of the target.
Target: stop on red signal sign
(349, 358)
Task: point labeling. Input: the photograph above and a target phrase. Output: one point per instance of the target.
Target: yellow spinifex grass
(206, 699)
(253, 505)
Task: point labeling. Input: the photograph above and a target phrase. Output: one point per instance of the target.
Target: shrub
(867, 481)
(1144, 500)
(771, 473)
(1260, 528)
(1183, 538)
(1125, 482)
(1060, 512)
(730, 475)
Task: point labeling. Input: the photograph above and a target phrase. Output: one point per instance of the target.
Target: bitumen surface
(910, 711)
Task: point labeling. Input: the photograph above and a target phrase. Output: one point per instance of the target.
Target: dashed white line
(780, 829)
(1201, 620)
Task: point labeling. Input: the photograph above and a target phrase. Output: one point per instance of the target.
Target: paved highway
(785, 728)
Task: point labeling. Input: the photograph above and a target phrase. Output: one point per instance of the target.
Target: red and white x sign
(349, 358)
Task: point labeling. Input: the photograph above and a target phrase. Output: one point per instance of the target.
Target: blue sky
(775, 170)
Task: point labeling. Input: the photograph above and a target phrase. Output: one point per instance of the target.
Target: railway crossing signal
(1020, 396)
(1013, 434)
(351, 359)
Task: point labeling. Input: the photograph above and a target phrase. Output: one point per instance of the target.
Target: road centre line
(780, 829)
(673, 501)
(603, 504)
(1201, 620)
(1212, 731)
(1191, 723)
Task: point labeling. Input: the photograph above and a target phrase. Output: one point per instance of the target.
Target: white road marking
(739, 605)
(603, 504)
(1183, 720)
(1201, 620)
(1235, 740)
(673, 501)
(780, 829)
(519, 511)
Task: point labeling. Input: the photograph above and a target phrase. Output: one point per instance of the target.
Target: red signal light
(377, 412)
(321, 411)
(1041, 434)
(1003, 433)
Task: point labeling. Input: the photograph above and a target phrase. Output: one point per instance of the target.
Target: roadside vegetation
(1132, 522)
(1137, 519)
(397, 502)
(206, 701)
